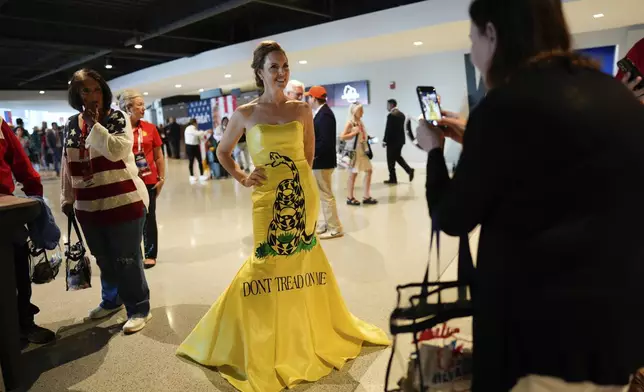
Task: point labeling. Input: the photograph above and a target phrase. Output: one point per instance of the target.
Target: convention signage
(344, 94)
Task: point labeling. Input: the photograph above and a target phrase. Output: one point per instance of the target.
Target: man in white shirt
(294, 90)
(193, 137)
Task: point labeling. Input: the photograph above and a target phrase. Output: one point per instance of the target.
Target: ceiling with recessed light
(416, 29)
(44, 41)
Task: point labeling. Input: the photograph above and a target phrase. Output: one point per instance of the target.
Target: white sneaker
(203, 179)
(193, 180)
(100, 312)
(135, 324)
(331, 234)
(321, 230)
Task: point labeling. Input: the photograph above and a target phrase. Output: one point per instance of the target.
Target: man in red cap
(325, 162)
(14, 161)
(636, 55)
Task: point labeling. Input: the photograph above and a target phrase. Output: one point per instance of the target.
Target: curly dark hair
(73, 92)
(259, 58)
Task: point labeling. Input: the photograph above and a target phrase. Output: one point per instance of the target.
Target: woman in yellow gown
(282, 320)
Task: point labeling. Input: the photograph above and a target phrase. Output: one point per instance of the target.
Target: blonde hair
(125, 99)
(353, 109)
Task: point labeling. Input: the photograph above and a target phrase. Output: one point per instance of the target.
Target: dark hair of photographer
(550, 170)
(523, 33)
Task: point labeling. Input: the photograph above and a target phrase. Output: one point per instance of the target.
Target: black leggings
(194, 152)
(26, 309)
(150, 232)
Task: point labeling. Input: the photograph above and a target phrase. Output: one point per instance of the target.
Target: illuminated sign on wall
(344, 94)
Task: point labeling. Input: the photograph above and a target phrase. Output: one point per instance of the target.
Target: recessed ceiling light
(41, 92)
(201, 90)
(303, 62)
(597, 16)
(138, 46)
(418, 43)
(228, 76)
(177, 85)
(145, 93)
(108, 66)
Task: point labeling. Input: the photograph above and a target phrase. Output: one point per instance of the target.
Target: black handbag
(426, 307)
(77, 264)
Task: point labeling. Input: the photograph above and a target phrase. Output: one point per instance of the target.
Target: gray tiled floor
(205, 235)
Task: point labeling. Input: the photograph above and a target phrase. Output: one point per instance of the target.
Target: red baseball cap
(317, 92)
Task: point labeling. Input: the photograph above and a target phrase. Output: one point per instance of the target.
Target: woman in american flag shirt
(101, 187)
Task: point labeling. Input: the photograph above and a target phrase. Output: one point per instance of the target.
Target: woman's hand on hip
(256, 178)
(455, 126)
(429, 137)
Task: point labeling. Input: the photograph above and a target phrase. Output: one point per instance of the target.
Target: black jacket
(395, 129)
(175, 131)
(552, 169)
(325, 139)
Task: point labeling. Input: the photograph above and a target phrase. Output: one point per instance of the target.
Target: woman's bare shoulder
(244, 113)
(299, 105)
(247, 109)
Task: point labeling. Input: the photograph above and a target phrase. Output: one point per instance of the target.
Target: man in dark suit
(394, 141)
(174, 131)
(325, 162)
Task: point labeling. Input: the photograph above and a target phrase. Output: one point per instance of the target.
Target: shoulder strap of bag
(355, 140)
(465, 261)
(435, 236)
(72, 221)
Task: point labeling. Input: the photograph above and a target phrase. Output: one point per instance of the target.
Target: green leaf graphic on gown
(287, 231)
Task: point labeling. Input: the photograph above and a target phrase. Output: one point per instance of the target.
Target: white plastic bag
(445, 360)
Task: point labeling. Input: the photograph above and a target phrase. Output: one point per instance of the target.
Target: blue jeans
(117, 249)
(215, 167)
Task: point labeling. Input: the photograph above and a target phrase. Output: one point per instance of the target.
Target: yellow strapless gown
(282, 320)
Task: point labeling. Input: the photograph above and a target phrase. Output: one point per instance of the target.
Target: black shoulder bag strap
(355, 140)
(71, 220)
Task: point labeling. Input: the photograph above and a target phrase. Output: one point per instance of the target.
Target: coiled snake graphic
(288, 228)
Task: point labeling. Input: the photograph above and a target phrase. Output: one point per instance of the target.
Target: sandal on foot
(149, 263)
(353, 202)
(369, 200)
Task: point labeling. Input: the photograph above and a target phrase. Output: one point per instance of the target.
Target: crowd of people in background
(43, 146)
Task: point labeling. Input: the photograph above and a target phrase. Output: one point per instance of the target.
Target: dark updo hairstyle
(259, 58)
(73, 92)
(193, 121)
(526, 31)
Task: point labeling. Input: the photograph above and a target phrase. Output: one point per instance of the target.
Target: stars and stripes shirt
(99, 171)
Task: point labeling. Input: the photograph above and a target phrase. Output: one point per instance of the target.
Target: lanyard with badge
(84, 157)
(141, 162)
